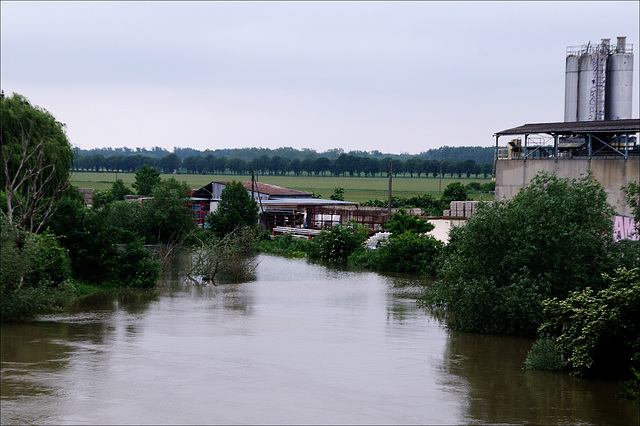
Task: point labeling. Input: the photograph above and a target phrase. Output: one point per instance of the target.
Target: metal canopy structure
(573, 139)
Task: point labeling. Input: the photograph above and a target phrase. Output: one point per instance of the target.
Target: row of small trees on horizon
(457, 153)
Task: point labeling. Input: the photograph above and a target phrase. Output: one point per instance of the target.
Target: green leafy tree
(426, 202)
(406, 252)
(402, 222)
(135, 267)
(36, 158)
(235, 211)
(124, 220)
(337, 244)
(165, 218)
(489, 186)
(598, 331)
(338, 194)
(116, 193)
(119, 190)
(91, 237)
(101, 198)
(632, 195)
(34, 273)
(170, 163)
(92, 245)
(147, 178)
(455, 191)
(554, 237)
(474, 186)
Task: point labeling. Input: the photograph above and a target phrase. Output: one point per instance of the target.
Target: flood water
(301, 344)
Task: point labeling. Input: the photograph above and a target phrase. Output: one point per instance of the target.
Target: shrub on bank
(337, 244)
(34, 274)
(407, 252)
(409, 249)
(284, 245)
(544, 355)
(134, 267)
(512, 255)
(598, 331)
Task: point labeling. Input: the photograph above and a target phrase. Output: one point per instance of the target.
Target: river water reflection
(301, 344)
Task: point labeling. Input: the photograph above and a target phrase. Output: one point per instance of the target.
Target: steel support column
(626, 147)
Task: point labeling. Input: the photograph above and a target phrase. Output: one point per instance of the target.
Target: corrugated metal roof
(631, 125)
(268, 189)
(259, 187)
(307, 202)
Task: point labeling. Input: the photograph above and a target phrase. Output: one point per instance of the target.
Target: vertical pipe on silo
(571, 88)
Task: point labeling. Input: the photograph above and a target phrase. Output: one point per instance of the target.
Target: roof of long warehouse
(268, 189)
(302, 202)
(631, 125)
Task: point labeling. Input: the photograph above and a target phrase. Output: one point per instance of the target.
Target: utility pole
(253, 179)
(389, 201)
(440, 187)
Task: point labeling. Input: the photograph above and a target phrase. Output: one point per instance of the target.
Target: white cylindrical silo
(619, 85)
(591, 82)
(571, 89)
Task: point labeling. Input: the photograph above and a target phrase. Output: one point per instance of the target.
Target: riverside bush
(34, 274)
(135, 268)
(337, 244)
(91, 237)
(407, 252)
(228, 257)
(598, 331)
(408, 248)
(544, 355)
(512, 255)
(285, 245)
(402, 222)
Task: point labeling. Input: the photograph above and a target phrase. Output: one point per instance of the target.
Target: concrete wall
(443, 227)
(613, 173)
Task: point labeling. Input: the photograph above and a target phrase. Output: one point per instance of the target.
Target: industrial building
(288, 208)
(598, 132)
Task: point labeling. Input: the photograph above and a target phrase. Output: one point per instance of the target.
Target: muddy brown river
(301, 344)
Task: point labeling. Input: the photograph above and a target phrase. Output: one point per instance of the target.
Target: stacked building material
(462, 208)
(377, 240)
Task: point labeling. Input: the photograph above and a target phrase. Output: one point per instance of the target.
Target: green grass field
(356, 189)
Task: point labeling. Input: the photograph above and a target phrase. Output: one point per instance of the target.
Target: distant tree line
(344, 165)
(477, 153)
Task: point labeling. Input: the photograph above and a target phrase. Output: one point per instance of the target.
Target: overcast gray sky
(389, 76)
